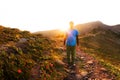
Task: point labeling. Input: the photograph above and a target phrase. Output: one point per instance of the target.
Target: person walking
(71, 41)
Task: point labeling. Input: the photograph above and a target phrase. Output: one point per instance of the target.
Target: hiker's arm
(77, 40)
(64, 41)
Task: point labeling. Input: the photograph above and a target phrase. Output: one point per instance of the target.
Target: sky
(39, 15)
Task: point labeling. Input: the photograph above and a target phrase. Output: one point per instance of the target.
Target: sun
(64, 29)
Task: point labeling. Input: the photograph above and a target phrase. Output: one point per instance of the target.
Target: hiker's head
(71, 24)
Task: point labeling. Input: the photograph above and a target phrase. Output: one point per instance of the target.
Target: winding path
(88, 68)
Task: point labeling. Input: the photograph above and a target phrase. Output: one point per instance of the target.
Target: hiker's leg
(73, 54)
(68, 54)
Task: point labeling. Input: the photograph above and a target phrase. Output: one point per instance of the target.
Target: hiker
(71, 41)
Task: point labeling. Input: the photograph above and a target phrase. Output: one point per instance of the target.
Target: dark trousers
(71, 53)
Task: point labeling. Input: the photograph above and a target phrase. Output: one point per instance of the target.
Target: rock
(67, 70)
(22, 40)
(78, 76)
(103, 69)
(83, 73)
(90, 62)
(72, 72)
(60, 62)
(82, 57)
(62, 48)
(32, 38)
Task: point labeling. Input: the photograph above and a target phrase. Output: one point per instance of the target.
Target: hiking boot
(72, 66)
(68, 65)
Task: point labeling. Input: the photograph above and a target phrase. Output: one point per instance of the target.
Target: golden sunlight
(64, 29)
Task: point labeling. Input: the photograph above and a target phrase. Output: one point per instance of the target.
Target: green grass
(105, 47)
(105, 61)
(17, 60)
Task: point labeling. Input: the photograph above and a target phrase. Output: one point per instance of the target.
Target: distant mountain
(51, 33)
(115, 28)
(82, 28)
(87, 27)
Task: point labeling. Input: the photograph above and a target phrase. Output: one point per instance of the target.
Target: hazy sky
(37, 15)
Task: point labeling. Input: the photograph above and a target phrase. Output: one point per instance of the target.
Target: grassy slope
(105, 45)
(103, 39)
(21, 51)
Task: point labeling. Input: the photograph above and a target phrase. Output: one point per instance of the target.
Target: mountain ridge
(85, 28)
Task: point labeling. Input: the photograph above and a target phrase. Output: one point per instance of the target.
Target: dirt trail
(88, 68)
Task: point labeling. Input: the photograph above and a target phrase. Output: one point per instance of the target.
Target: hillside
(115, 28)
(21, 53)
(103, 39)
(103, 43)
(41, 56)
(87, 27)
